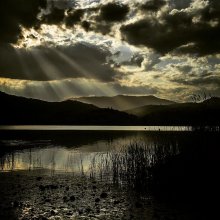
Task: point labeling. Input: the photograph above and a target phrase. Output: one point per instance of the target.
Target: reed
(174, 168)
(131, 165)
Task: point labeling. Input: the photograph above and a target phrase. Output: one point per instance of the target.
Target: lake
(94, 128)
(78, 147)
(138, 166)
(69, 148)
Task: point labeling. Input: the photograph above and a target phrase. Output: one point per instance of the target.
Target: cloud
(113, 12)
(74, 16)
(53, 63)
(56, 16)
(187, 30)
(98, 18)
(58, 90)
(180, 4)
(153, 5)
(102, 18)
(192, 73)
(162, 37)
(17, 13)
(164, 47)
(165, 26)
(203, 81)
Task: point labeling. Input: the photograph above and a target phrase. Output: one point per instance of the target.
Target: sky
(58, 49)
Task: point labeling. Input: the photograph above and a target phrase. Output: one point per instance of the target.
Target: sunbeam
(26, 70)
(49, 69)
(84, 73)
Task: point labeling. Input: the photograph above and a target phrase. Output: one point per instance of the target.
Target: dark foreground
(180, 180)
(34, 195)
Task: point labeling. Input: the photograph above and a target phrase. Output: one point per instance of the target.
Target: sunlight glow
(85, 74)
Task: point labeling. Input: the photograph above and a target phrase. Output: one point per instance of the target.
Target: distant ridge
(212, 101)
(203, 113)
(17, 110)
(124, 102)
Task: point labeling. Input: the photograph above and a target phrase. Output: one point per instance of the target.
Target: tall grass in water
(186, 166)
(132, 165)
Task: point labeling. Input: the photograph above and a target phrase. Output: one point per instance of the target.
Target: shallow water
(95, 128)
(69, 153)
(60, 150)
(68, 148)
(73, 150)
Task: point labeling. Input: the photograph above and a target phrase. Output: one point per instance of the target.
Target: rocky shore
(39, 195)
(43, 195)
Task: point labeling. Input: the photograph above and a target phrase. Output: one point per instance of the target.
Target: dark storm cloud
(56, 16)
(106, 15)
(180, 4)
(16, 13)
(100, 18)
(178, 31)
(181, 28)
(40, 63)
(152, 34)
(86, 25)
(54, 13)
(32, 13)
(153, 5)
(103, 28)
(74, 17)
(113, 12)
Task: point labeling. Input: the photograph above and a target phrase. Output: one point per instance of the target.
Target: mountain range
(17, 110)
(20, 110)
(123, 102)
(203, 113)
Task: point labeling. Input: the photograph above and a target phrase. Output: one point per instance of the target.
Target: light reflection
(61, 158)
(76, 158)
(53, 159)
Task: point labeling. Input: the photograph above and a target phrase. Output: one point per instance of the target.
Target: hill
(23, 111)
(20, 110)
(204, 113)
(123, 102)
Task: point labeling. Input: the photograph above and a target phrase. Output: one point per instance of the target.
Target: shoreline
(41, 195)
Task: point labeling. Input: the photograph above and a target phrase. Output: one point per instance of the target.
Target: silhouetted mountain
(204, 113)
(122, 102)
(212, 101)
(19, 110)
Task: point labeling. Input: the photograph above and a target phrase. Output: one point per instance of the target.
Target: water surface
(185, 167)
(95, 128)
(70, 151)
